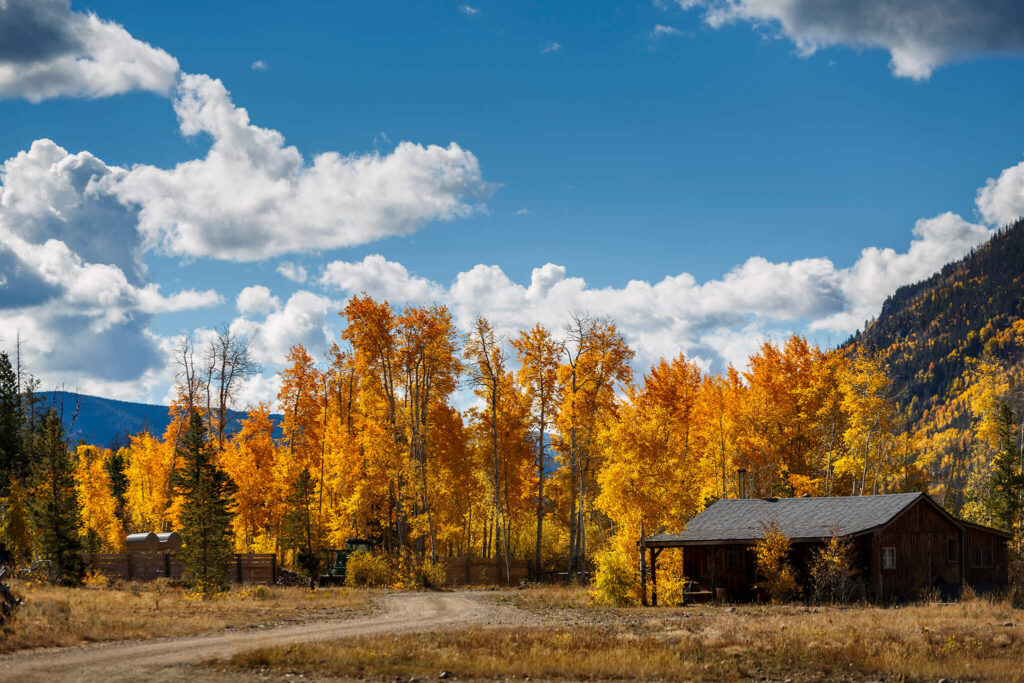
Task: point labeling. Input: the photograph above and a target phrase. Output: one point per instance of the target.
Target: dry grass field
(566, 639)
(53, 616)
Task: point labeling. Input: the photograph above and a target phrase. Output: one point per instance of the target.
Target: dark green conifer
(1006, 487)
(116, 466)
(54, 512)
(206, 511)
(12, 456)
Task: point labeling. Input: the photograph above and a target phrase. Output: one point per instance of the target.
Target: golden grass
(53, 616)
(922, 642)
(551, 596)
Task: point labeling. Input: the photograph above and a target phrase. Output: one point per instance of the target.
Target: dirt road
(170, 659)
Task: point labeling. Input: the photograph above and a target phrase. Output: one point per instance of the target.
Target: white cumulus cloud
(293, 272)
(302, 320)
(920, 35)
(47, 50)
(256, 299)
(254, 197)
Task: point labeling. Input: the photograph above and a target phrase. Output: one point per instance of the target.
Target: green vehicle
(338, 559)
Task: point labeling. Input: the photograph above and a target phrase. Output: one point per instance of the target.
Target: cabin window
(709, 561)
(951, 554)
(889, 557)
(981, 557)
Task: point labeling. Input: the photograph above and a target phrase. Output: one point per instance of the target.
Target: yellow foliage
(92, 484)
(771, 555)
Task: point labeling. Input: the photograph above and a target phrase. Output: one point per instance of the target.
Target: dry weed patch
(966, 641)
(55, 616)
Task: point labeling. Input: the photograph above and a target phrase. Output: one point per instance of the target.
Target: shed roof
(740, 520)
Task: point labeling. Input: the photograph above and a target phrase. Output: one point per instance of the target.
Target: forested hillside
(110, 423)
(954, 347)
(927, 332)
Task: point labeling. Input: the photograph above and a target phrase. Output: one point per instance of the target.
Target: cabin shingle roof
(740, 520)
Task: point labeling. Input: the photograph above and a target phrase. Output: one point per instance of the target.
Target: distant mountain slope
(105, 421)
(926, 332)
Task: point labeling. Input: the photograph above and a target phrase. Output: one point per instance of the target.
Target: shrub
(367, 570)
(833, 577)
(615, 579)
(778, 577)
(413, 571)
(432, 575)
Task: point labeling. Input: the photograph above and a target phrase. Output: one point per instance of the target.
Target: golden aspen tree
(149, 469)
(537, 353)
(300, 399)
(427, 345)
(249, 457)
(486, 369)
(596, 360)
(718, 421)
(371, 332)
(99, 519)
(868, 402)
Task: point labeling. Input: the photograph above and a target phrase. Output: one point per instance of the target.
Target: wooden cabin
(905, 544)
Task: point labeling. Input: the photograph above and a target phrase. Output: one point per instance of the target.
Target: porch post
(654, 576)
(643, 571)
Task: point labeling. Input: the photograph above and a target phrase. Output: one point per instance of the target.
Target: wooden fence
(485, 571)
(244, 568)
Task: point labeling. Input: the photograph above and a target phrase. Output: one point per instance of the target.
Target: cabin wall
(728, 566)
(921, 537)
(986, 557)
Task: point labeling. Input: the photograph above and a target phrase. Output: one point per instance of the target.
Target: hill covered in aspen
(929, 332)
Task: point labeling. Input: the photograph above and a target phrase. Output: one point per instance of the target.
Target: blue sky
(731, 158)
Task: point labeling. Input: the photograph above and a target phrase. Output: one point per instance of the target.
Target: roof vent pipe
(741, 478)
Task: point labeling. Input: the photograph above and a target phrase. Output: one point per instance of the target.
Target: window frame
(888, 558)
(982, 557)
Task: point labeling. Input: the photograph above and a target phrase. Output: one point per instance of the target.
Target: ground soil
(176, 659)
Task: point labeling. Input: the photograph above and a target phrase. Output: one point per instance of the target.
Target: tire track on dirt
(162, 659)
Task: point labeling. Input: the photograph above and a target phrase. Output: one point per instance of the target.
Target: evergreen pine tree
(116, 466)
(298, 526)
(206, 510)
(1007, 484)
(12, 460)
(53, 507)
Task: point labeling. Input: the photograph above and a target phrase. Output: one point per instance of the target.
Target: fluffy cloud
(253, 197)
(47, 193)
(716, 322)
(920, 35)
(303, 320)
(381, 279)
(71, 284)
(1001, 201)
(257, 299)
(46, 51)
(293, 272)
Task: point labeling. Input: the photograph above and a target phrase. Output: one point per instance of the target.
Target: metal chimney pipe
(741, 476)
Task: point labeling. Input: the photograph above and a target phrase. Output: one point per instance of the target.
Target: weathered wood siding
(481, 571)
(722, 566)
(921, 537)
(244, 568)
(983, 546)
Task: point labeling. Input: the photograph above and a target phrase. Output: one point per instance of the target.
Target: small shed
(904, 544)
